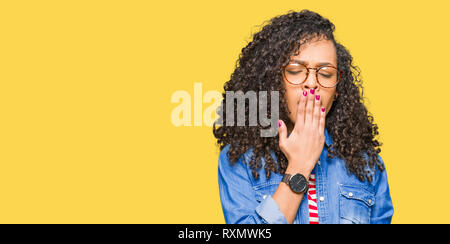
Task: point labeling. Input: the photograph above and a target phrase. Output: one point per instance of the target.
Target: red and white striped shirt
(312, 200)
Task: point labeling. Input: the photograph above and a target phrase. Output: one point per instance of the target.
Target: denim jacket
(341, 197)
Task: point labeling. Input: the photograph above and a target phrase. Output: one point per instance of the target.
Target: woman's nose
(311, 82)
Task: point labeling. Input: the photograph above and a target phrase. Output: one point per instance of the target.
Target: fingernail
(312, 91)
(323, 109)
(317, 97)
(305, 93)
(279, 123)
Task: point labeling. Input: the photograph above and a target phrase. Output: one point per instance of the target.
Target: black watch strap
(286, 178)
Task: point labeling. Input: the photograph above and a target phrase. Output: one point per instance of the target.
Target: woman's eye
(294, 72)
(325, 75)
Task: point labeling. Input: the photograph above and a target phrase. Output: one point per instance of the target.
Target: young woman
(324, 164)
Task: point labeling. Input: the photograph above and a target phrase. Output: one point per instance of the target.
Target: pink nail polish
(305, 93)
(312, 91)
(323, 109)
(317, 97)
(279, 124)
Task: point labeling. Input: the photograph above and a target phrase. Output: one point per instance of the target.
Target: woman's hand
(305, 143)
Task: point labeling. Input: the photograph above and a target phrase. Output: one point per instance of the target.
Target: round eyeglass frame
(340, 73)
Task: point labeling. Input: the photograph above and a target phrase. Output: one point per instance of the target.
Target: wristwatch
(297, 182)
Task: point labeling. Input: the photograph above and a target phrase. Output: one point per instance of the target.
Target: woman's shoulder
(242, 161)
(374, 171)
(377, 172)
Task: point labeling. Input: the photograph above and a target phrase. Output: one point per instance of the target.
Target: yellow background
(85, 88)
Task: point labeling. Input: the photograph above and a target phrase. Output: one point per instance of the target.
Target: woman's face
(312, 54)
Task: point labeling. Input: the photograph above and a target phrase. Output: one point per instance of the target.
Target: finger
(282, 133)
(300, 121)
(309, 108)
(316, 110)
(322, 121)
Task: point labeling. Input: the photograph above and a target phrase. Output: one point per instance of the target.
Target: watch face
(298, 183)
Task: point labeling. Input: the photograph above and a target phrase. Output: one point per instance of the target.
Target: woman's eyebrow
(305, 62)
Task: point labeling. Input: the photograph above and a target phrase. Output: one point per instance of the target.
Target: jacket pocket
(355, 204)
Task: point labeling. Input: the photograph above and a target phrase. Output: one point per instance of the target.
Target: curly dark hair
(259, 69)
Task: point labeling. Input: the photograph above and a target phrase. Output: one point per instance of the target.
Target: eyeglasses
(327, 76)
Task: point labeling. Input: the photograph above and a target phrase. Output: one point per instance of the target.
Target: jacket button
(318, 162)
(321, 199)
(350, 194)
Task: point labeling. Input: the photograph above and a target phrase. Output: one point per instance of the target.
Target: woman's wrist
(298, 169)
